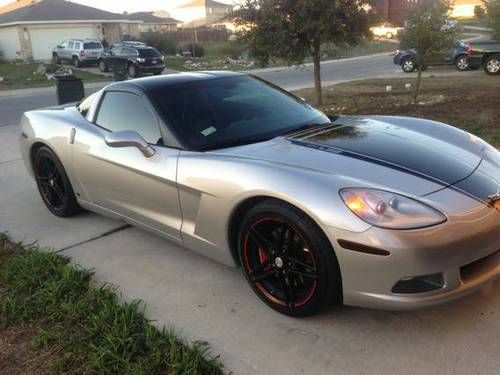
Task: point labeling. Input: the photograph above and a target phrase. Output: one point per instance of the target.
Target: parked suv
(137, 59)
(458, 56)
(78, 51)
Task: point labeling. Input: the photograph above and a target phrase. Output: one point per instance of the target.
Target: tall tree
(493, 10)
(296, 29)
(427, 33)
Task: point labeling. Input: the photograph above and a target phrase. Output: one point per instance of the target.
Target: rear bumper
(465, 251)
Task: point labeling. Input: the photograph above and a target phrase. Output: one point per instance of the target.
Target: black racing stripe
(369, 159)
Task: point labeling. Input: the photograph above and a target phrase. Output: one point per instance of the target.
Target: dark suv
(137, 59)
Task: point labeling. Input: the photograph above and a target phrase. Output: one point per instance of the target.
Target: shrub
(161, 41)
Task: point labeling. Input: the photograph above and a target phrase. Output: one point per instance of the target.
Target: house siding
(10, 45)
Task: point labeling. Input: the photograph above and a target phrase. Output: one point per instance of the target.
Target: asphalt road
(12, 107)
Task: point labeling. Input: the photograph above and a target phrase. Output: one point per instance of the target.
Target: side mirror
(128, 138)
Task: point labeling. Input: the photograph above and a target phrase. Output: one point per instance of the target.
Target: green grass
(19, 75)
(469, 102)
(86, 327)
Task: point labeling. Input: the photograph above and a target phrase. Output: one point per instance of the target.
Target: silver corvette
(382, 212)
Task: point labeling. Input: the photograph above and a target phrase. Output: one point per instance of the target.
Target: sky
(119, 6)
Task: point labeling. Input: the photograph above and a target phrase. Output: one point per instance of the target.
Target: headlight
(141, 59)
(389, 210)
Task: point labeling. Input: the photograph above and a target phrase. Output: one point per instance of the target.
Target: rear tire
(462, 63)
(408, 65)
(287, 260)
(53, 184)
(492, 65)
(76, 62)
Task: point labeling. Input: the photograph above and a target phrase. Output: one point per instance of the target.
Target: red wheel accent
(281, 268)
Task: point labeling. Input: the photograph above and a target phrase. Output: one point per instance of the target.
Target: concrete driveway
(206, 301)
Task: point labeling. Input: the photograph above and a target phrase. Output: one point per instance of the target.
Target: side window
(77, 45)
(64, 44)
(125, 111)
(71, 45)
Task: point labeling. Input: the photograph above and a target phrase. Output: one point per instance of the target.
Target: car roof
(151, 83)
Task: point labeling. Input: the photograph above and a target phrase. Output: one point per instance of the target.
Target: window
(77, 45)
(125, 111)
(92, 45)
(149, 53)
(71, 45)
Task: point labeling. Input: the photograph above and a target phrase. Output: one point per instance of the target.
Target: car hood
(404, 154)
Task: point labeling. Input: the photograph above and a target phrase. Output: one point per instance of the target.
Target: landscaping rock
(41, 70)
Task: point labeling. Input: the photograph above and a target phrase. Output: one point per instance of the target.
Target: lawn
(471, 103)
(55, 319)
(18, 75)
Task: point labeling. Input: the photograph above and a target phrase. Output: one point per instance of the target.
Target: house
(396, 11)
(153, 22)
(30, 30)
(197, 13)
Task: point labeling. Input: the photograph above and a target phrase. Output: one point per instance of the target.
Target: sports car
(383, 212)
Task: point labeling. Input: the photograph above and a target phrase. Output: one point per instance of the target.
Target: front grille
(480, 267)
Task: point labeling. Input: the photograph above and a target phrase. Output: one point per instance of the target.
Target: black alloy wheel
(53, 184)
(287, 260)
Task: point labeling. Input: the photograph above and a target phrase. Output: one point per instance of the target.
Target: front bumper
(465, 251)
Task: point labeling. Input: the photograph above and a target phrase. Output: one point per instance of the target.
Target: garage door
(44, 39)
(9, 42)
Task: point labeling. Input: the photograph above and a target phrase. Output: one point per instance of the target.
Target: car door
(63, 51)
(123, 180)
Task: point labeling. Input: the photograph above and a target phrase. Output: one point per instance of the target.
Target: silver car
(382, 212)
(78, 51)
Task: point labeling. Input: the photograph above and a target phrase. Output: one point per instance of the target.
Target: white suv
(78, 51)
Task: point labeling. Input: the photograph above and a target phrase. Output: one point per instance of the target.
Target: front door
(123, 180)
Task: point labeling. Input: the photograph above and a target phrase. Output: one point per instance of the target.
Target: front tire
(492, 65)
(287, 260)
(462, 63)
(408, 65)
(53, 184)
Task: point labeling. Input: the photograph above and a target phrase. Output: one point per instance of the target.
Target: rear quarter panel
(51, 128)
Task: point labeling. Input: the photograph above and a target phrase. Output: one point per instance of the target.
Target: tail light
(82, 53)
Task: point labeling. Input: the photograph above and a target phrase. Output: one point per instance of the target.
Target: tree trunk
(419, 82)
(317, 74)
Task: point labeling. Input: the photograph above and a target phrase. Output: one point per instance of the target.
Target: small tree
(295, 29)
(479, 12)
(427, 34)
(493, 10)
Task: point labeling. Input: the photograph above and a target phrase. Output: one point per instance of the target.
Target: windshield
(149, 52)
(225, 112)
(92, 45)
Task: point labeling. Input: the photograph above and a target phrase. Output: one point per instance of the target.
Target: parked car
(458, 56)
(78, 51)
(486, 54)
(375, 211)
(386, 30)
(137, 59)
